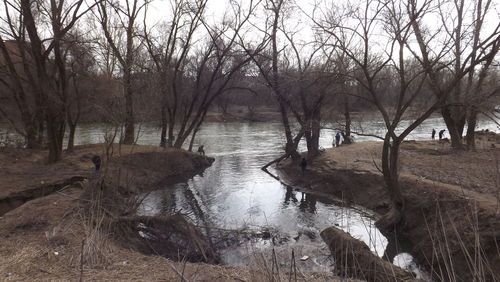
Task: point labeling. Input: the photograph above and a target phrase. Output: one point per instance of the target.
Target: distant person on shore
(433, 134)
(441, 134)
(337, 139)
(97, 162)
(303, 165)
(201, 150)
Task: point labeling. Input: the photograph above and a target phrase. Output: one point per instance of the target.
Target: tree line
(405, 59)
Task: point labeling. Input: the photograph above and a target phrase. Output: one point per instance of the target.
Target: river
(234, 193)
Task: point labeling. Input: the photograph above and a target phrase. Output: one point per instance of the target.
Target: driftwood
(354, 259)
(169, 236)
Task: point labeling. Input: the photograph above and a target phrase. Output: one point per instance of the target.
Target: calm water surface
(234, 193)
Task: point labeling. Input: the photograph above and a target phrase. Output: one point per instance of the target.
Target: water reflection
(234, 192)
(290, 195)
(307, 203)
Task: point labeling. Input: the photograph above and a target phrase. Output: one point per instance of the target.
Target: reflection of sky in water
(150, 135)
(405, 261)
(235, 193)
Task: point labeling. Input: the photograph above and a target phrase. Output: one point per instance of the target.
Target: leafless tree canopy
(66, 61)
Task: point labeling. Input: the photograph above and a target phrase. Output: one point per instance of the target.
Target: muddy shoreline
(444, 220)
(50, 232)
(446, 224)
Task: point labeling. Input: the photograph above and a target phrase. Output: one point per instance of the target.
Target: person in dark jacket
(337, 139)
(433, 134)
(97, 162)
(201, 150)
(441, 134)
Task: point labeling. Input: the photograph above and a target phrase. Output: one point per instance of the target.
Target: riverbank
(452, 201)
(52, 234)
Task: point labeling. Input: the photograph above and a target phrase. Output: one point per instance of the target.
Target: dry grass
(95, 243)
(461, 244)
(273, 267)
(456, 246)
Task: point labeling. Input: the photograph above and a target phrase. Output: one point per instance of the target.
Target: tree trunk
(18, 94)
(347, 116)
(193, 126)
(181, 136)
(32, 140)
(41, 130)
(191, 142)
(290, 149)
(129, 110)
(71, 137)
(171, 136)
(55, 136)
(313, 139)
(163, 137)
(471, 130)
(171, 127)
(390, 161)
(455, 126)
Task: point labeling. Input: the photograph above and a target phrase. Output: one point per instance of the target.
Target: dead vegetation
(452, 205)
(73, 233)
(170, 236)
(82, 232)
(109, 205)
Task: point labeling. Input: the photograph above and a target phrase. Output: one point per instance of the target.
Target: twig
(277, 160)
(275, 262)
(293, 266)
(81, 261)
(178, 273)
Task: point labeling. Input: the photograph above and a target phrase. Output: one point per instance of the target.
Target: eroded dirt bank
(452, 201)
(84, 228)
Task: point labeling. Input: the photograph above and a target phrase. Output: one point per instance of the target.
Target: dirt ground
(452, 200)
(42, 239)
(21, 168)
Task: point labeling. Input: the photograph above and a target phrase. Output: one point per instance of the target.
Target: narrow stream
(234, 193)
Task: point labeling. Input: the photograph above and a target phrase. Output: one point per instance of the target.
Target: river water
(234, 193)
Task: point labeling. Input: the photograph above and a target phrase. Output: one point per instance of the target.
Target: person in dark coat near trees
(97, 162)
(337, 139)
(201, 150)
(433, 134)
(441, 134)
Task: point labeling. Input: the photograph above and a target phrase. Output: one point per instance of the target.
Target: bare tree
(16, 92)
(112, 15)
(80, 62)
(389, 81)
(168, 54)
(215, 70)
(45, 67)
(460, 34)
(192, 75)
(310, 67)
(268, 64)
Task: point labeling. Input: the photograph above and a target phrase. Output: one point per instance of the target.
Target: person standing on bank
(201, 150)
(96, 160)
(433, 134)
(337, 139)
(441, 134)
